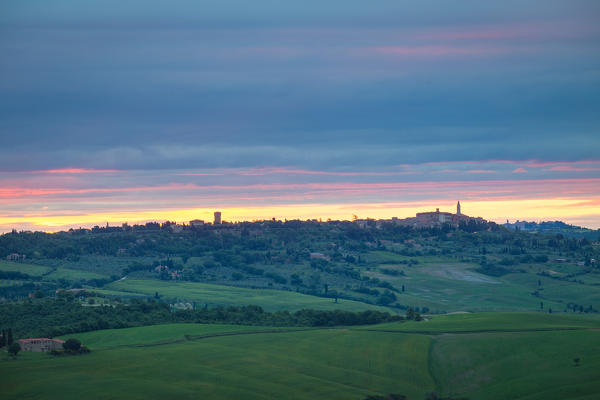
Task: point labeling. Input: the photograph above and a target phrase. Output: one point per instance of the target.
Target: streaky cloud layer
(38, 200)
(142, 110)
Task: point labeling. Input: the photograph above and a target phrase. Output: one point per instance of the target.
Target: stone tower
(458, 208)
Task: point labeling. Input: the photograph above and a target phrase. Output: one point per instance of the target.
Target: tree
(2, 338)
(576, 360)
(9, 337)
(14, 349)
(72, 344)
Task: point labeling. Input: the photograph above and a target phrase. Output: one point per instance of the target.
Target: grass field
(270, 300)
(159, 362)
(149, 335)
(29, 269)
(448, 286)
(509, 365)
(73, 275)
(485, 322)
(323, 364)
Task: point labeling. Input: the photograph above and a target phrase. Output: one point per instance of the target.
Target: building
(41, 344)
(196, 222)
(437, 218)
(16, 257)
(434, 218)
(217, 218)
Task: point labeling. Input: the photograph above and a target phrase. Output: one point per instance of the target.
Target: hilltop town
(430, 219)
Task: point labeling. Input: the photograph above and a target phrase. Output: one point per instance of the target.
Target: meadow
(211, 294)
(224, 362)
(29, 269)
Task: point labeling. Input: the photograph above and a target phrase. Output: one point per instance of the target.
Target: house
(16, 257)
(40, 344)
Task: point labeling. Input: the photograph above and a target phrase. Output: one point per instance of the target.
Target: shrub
(72, 345)
(14, 349)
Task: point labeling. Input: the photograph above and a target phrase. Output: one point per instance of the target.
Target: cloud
(570, 168)
(274, 102)
(78, 171)
(481, 171)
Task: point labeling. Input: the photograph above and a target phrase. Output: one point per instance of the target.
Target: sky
(131, 111)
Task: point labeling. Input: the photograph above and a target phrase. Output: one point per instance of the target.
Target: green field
(509, 365)
(29, 269)
(484, 361)
(73, 275)
(451, 286)
(322, 364)
(487, 322)
(268, 299)
(158, 334)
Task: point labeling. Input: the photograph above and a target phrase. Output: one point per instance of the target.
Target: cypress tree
(2, 338)
(9, 338)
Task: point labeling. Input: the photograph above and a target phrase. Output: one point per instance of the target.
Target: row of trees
(6, 337)
(6, 340)
(296, 236)
(54, 317)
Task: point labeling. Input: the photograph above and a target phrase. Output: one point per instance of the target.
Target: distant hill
(554, 227)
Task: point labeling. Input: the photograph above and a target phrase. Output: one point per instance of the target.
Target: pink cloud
(572, 184)
(76, 171)
(17, 192)
(198, 174)
(569, 168)
(481, 171)
(519, 171)
(261, 171)
(294, 171)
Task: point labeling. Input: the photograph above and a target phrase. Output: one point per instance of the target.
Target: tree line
(51, 317)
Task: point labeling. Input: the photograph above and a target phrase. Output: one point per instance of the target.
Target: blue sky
(165, 90)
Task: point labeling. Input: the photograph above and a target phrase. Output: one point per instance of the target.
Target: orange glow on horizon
(566, 209)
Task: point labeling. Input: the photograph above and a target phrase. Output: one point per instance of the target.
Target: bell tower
(458, 208)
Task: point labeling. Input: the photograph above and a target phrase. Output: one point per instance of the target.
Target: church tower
(458, 208)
